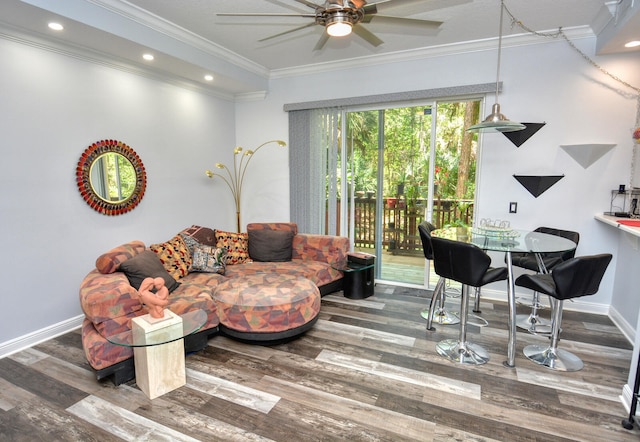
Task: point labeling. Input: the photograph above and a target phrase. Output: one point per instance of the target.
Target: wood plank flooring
(367, 371)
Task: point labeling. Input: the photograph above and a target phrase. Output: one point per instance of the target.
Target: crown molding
(145, 18)
(251, 96)
(575, 33)
(44, 43)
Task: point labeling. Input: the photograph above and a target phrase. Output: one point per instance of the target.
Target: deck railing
(400, 228)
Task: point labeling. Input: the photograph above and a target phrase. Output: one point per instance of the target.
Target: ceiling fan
(341, 17)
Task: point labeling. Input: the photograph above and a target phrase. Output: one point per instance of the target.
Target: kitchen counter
(615, 222)
(625, 303)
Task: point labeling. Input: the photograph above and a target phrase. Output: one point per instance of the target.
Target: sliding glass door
(396, 168)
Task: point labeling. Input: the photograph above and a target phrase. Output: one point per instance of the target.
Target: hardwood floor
(367, 371)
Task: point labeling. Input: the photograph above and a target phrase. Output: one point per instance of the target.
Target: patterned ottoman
(267, 306)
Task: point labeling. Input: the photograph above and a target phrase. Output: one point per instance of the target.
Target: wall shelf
(586, 154)
(518, 137)
(537, 184)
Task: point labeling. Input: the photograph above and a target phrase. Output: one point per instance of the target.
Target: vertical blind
(314, 150)
(313, 163)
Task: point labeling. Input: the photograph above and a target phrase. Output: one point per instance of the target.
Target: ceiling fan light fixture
(339, 25)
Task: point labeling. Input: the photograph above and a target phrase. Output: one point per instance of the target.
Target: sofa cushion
(266, 304)
(292, 227)
(110, 261)
(144, 265)
(174, 255)
(203, 235)
(237, 245)
(270, 245)
(318, 272)
(322, 248)
(107, 296)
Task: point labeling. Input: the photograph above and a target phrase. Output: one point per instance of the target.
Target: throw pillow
(208, 259)
(203, 235)
(270, 245)
(237, 245)
(190, 242)
(144, 265)
(174, 255)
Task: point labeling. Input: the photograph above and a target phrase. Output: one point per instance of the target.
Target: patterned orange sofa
(109, 300)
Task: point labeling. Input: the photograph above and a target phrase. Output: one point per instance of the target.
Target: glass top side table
(192, 322)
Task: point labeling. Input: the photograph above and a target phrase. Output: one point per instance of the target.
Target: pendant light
(496, 121)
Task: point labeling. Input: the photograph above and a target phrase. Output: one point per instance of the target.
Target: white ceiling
(189, 38)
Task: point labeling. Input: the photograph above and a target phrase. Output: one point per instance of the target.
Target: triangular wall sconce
(587, 154)
(538, 184)
(518, 137)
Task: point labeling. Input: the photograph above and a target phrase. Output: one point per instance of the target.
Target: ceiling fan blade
(394, 3)
(430, 5)
(309, 4)
(323, 41)
(288, 31)
(358, 3)
(401, 22)
(367, 35)
(262, 14)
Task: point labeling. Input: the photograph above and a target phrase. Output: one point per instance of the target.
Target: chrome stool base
(560, 360)
(534, 324)
(464, 353)
(442, 316)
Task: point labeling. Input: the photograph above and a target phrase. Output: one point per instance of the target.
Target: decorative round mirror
(111, 177)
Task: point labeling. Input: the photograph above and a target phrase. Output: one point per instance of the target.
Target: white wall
(547, 82)
(52, 107)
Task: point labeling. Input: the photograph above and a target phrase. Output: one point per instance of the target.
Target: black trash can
(359, 279)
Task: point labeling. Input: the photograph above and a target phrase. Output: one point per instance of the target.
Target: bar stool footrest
(442, 317)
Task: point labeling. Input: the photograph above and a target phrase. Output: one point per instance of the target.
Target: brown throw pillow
(270, 245)
(203, 235)
(146, 265)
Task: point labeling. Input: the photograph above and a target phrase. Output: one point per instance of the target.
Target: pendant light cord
(502, 8)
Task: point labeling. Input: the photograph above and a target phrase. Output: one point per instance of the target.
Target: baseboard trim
(576, 305)
(15, 345)
(625, 397)
(627, 330)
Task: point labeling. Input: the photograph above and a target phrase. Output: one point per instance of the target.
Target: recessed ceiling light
(55, 26)
(632, 44)
(148, 57)
(208, 77)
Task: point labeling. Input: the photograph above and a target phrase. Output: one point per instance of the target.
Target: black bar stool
(470, 266)
(542, 263)
(570, 279)
(440, 314)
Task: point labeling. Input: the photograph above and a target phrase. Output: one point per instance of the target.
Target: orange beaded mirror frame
(111, 177)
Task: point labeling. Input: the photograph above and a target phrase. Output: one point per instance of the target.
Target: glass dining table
(508, 240)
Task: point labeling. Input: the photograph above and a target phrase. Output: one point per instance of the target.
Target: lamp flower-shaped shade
(234, 177)
(636, 135)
